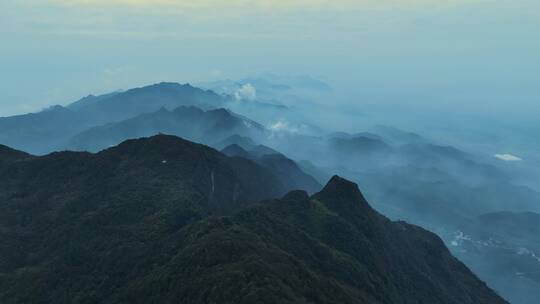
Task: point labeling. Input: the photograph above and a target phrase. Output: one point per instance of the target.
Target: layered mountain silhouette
(41, 132)
(50, 129)
(284, 168)
(404, 175)
(397, 136)
(121, 106)
(192, 123)
(139, 223)
(369, 150)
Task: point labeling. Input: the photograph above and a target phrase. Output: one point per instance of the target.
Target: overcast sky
(476, 55)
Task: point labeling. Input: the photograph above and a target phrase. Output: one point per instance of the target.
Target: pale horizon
(475, 55)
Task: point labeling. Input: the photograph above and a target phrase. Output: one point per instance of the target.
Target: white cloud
(246, 92)
(283, 126)
(507, 157)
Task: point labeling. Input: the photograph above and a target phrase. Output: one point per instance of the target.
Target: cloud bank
(246, 92)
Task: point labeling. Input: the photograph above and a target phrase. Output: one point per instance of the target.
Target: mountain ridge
(50, 129)
(191, 122)
(163, 219)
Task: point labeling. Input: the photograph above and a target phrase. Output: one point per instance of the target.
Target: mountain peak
(343, 196)
(338, 184)
(157, 141)
(170, 85)
(161, 147)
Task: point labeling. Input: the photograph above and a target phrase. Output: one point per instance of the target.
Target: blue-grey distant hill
(50, 129)
(190, 122)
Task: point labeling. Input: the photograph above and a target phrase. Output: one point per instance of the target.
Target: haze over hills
(50, 130)
(504, 248)
(207, 152)
(192, 123)
(147, 99)
(405, 175)
(137, 223)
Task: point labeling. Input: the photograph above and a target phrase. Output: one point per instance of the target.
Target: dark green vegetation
(284, 168)
(140, 223)
(74, 224)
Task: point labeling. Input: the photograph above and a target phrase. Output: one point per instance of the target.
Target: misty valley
(250, 191)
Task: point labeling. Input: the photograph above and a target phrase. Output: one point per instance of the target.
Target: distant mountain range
(121, 106)
(143, 222)
(405, 175)
(209, 127)
(51, 129)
